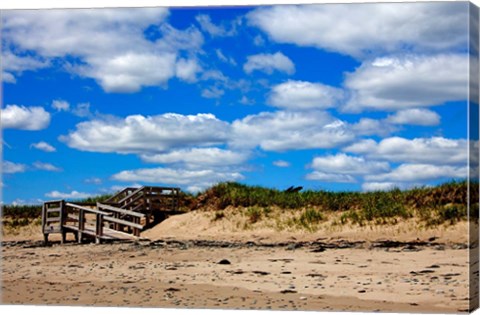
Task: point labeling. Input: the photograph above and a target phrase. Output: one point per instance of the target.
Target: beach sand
(427, 272)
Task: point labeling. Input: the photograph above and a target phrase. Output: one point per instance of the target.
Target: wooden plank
(72, 217)
(52, 229)
(122, 211)
(44, 222)
(108, 234)
(71, 228)
(53, 201)
(51, 220)
(51, 210)
(118, 234)
(128, 202)
(87, 209)
(126, 191)
(130, 195)
(124, 222)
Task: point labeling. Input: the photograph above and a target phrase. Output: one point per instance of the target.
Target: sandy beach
(323, 274)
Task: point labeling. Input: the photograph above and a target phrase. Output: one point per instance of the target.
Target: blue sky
(95, 100)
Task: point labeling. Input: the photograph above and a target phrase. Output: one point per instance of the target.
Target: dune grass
(442, 204)
(433, 205)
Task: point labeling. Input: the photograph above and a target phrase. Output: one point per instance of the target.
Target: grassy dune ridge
(445, 203)
(432, 205)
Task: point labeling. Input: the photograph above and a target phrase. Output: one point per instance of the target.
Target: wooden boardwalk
(122, 217)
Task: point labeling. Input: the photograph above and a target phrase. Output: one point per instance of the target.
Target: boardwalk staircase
(121, 217)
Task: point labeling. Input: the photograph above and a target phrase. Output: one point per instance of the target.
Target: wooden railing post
(98, 228)
(44, 223)
(81, 224)
(136, 231)
(63, 215)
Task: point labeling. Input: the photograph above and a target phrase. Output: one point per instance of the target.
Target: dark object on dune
(289, 189)
(293, 189)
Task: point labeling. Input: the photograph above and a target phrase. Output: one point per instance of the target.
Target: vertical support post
(116, 226)
(98, 228)
(62, 220)
(81, 224)
(44, 223)
(136, 231)
(64, 236)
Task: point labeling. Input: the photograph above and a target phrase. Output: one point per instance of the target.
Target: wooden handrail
(123, 222)
(133, 210)
(131, 195)
(122, 211)
(132, 201)
(72, 205)
(123, 191)
(53, 201)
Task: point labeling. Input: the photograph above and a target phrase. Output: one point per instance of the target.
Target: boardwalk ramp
(122, 217)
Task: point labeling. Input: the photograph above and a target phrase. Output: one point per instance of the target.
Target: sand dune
(390, 269)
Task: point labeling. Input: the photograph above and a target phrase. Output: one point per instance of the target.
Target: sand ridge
(178, 265)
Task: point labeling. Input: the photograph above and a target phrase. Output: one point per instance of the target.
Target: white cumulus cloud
(329, 177)
(364, 29)
(147, 134)
(346, 164)
(110, 44)
(46, 167)
(368, 126)
(215, 30)
(415, 116)
(193, 180)
(11, 167)
(194, 158)
(419, 173)
(284, 130)
(60, 105)
(71, 195)
(301, 95)
(435, 150)
(43, 146)
(16, 64)
(268, 63)
(24, 118)
(187, 70)
(396, 83)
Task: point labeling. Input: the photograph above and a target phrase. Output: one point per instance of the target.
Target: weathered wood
(135, 192)
(52, 220)
(119, 210)
(62, 214)
(124, 222)
(53, 201)
(98, 228)
(126, 191)
(44, 218)
(53, 210)
(86, 209)
(136, 231)
(108, 234)
(50, 229)
(118, 234)
(81, 224)
(72, 217)
(130, 201)
(64, 236)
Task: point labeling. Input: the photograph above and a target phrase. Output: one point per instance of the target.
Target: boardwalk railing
(122, 216)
